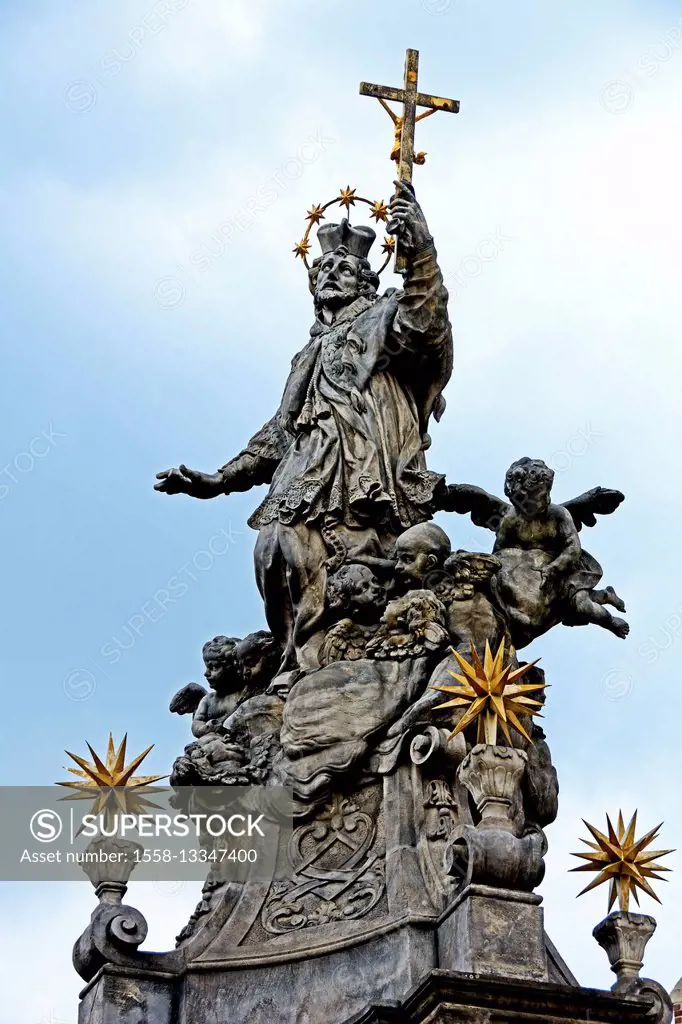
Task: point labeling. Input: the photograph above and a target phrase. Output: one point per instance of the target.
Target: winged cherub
(545, 576)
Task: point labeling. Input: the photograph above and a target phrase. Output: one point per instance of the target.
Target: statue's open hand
(190, 481)
(407, 221)
(172, 481)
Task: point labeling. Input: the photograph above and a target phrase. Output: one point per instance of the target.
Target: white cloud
(151, 49)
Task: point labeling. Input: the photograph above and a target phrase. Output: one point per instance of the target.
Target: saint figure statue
(344, 454)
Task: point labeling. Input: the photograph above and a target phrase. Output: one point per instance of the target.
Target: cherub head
(354, 591)
(221, 672)
(419, 552)
(414, 611)
(412, 626)
(528, 484)
(258, 656)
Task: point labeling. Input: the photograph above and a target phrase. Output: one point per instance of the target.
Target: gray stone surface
(448, 998)
(494, 933)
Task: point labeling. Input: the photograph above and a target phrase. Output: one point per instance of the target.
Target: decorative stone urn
(501, 850)
(110, 863)
(115, 930)
(624, 938)
(493, 774)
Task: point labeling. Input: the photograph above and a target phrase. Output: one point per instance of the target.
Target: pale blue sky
(150, 318)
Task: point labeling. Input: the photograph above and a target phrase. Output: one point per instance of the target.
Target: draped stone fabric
(348, 440)
(332, 716)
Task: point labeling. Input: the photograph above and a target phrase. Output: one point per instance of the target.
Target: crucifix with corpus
(403, 149)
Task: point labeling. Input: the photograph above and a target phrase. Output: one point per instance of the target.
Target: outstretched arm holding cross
(422, 311)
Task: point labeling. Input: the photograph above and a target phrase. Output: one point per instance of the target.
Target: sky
(158, 160)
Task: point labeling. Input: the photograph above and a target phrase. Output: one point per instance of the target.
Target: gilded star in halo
(379, 210)
(491, 693)
(302, 248)
(315, 214)
(347, 197)
(389, 244)
(622, 861)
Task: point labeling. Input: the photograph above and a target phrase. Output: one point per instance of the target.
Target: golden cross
(410, 99)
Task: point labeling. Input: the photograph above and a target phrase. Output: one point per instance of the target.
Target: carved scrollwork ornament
(112, 935)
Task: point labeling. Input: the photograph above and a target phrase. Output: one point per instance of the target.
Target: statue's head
(221, 663)
(258, 656)
(420, 551)
(353, 590)
(342, 272)
(528, 485)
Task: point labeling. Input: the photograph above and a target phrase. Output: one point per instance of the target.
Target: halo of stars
(347, 197)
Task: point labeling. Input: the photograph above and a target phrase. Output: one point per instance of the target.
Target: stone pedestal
(370, 917)
(448, 998)
(492, 775)
(496, 933)
(624, 938)
(369, 912)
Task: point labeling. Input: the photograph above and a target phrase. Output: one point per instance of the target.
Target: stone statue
(344, 453)
(333, 715)
(462, 581)
(356, 593)
(420, 554)
(387, 697)
(225, 683)
(545, 576)
(237, 671)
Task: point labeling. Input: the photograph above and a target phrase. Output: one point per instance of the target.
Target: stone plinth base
(369, 917)
(448, 998)
(494, 932)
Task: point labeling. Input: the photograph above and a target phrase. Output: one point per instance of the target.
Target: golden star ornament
(623, 861)
(490, 692)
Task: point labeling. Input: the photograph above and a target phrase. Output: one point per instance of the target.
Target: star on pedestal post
(623, 861)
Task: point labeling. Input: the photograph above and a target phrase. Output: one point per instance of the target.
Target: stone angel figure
(545, 577)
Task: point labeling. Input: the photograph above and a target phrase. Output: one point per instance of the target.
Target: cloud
(149, 46)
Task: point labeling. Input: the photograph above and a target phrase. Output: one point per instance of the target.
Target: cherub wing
(600, 501)
(485, 509)
(338, 643)
(187, 700)
(435, 636)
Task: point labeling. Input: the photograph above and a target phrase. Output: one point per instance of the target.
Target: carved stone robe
(347, 443)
